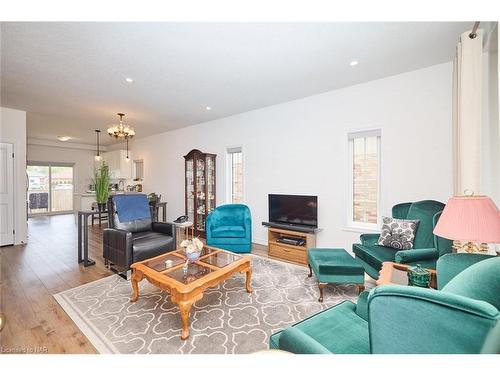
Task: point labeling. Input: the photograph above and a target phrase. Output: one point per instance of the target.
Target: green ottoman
(334, 266)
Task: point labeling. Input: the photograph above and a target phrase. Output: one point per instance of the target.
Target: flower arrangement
(192, 248)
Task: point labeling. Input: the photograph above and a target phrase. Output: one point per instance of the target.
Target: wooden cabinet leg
(321, 287)
(247, 281)
(310, 270)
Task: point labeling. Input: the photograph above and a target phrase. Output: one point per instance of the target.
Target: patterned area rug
(226, 320)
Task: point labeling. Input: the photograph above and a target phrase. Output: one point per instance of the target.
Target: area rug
(226, 320)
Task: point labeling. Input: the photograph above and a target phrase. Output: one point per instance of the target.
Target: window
(234, 175)
(364, 171)
(50, 188)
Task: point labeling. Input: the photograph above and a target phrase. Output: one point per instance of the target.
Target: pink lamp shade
(470, 218)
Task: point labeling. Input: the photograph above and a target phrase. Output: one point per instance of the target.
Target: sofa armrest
(368, 239)
(362, 305)
(450, 265)
(208, 225)
(117, 246)
(414, 255)
(295, 341)
(397, 324)
(248, 227)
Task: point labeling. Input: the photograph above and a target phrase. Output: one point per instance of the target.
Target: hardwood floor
(31, 274)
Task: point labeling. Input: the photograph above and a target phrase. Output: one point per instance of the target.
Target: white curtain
(467, 114)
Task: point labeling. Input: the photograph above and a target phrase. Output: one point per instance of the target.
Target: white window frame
(350, 223)
(229, 172)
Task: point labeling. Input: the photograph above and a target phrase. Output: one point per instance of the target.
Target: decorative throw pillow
(398, 233)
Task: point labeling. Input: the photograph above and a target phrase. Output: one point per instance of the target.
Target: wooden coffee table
(397, 274)
(212, 268)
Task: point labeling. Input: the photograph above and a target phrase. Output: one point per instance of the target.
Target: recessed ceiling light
(354, 63)
(129, 80)
(208, 108)
(63, 138)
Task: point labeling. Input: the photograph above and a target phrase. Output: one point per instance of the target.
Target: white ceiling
(70, 77)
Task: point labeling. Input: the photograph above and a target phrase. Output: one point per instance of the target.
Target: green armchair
(229, 227)
(462, 317)
(427, 247)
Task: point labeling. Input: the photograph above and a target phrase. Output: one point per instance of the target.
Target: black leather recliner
(134, 241)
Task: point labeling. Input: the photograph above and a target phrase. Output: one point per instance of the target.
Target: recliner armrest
(414, 255)
(295, 341)
(117, 246)
(369, 238)
(165, 228)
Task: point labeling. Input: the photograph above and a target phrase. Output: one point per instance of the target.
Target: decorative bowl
(193, 256)
(419, 276)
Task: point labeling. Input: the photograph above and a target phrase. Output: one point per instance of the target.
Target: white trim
(350, 224)
(229, 172)
(13, 187)
(50, 164)
(14, 142)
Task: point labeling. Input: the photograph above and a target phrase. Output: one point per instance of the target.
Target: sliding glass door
(50, 188)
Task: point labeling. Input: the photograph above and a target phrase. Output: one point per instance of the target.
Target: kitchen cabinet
(119, 167)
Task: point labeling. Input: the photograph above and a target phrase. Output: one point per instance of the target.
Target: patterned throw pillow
(398, 233)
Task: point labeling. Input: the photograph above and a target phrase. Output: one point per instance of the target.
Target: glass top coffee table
(397, 274)
(186, 285)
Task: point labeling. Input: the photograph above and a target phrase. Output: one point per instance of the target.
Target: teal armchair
(462, 317)
(229, 227)
(427, 247)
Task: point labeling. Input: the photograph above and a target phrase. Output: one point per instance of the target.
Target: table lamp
(471, 221)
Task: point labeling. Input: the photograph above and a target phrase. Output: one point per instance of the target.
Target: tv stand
(287, 251)
(292, 227)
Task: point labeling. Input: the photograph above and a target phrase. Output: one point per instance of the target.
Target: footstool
(334, 266)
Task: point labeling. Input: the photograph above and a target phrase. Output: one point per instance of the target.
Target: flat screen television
(293, 209)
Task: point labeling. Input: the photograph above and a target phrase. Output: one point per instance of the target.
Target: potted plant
(101, 181)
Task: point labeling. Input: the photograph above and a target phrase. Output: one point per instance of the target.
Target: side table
(397, 274)
(183, 227)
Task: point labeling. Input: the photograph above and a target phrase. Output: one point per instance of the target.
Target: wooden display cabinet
(200, 188)
(287, 252)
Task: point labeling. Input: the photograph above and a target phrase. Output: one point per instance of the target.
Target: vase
(192, 256)
(101, 206)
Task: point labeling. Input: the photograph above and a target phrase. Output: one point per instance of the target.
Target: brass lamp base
(470, 247)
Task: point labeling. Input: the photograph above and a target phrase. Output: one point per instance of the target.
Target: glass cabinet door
(190, 189)
(200, 193)
(210, 183)
(200, 188)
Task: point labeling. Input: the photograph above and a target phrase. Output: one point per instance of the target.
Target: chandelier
(121, 131)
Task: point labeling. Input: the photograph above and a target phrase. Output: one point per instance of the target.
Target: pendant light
(98, 156)
(127, 159)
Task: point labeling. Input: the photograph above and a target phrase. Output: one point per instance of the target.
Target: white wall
(300, 147)
(83, 161)
(13, 130)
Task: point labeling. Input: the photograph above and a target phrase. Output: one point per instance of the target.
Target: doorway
(50, 188)
(6, 194)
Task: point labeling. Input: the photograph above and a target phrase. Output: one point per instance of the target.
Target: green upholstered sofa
(459, 318)
(427, 247)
